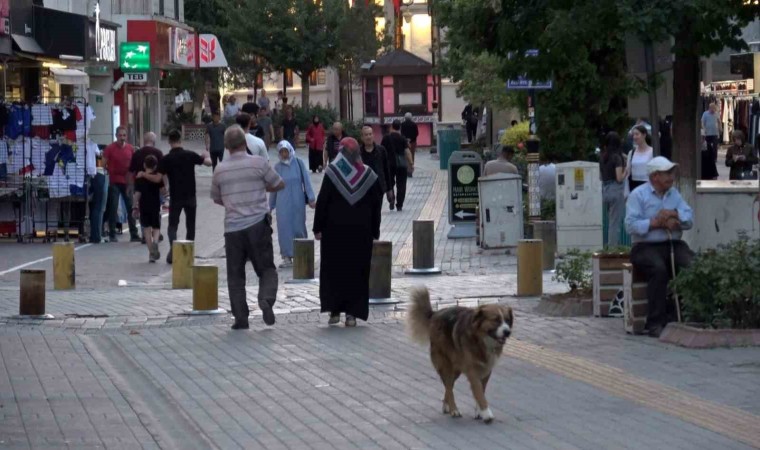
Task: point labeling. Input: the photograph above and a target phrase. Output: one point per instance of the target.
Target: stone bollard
(380, 273)
(206, 290)
(32, 295)
(64, 272)
(546, 230)
(303, 261)
(529, 271)
(183, 259)
(423, 248)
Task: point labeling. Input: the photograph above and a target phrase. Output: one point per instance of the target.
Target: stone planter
(607, 270)
(696, 336)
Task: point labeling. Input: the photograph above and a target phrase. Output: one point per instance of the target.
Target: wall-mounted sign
(136, 77)
(210, 52)
(180, 47)
(134, 56)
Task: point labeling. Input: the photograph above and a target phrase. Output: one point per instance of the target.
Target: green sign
(134, 56)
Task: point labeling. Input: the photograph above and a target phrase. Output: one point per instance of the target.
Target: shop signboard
(134, 56)
(136, 77)
(181, 47)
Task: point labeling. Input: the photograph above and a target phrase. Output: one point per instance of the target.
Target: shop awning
(27, 44)
(70, 76)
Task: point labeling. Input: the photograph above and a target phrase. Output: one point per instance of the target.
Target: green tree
(300, 35)
(697, 28)
(581, 48)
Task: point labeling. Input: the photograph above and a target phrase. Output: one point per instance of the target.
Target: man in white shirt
(231, 110)
(256, 146)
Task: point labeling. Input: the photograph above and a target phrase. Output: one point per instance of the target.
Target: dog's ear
(508, 314)
(479, 317)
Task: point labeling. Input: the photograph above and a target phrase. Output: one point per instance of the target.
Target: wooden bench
(635, 303)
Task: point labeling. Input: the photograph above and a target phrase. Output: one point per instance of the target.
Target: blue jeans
(614, 202)
(99, 186)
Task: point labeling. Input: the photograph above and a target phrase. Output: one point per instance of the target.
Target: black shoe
(134, 239)
(656, 331)
(392, 207)
(268, 316)
(113, 239)
(240, 325)
(399, 208)
(169, 257)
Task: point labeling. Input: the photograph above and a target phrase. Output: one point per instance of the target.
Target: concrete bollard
(423, 248)
(64, 271)
(380, 273)
(183, 259)
(303, 261)
(546, 230)
(206, 290)
(32, 295)
(529, 271)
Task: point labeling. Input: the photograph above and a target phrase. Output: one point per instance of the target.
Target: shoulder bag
(303, 182)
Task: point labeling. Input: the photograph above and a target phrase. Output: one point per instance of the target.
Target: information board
(464, 172)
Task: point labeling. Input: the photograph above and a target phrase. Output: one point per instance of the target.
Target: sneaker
(240, 325)
(169, 257)
(160, 238)
(155, 254)
(350, 321)
(286, 262)
(334, 319)
(268, 316)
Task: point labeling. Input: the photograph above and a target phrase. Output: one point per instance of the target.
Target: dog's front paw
(485, 414)
(455, 413)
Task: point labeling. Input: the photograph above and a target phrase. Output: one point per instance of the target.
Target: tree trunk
(686, 78)
(343, 88)
(305, 90)
(199, 91)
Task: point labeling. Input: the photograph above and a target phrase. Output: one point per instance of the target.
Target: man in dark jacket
(410, 132)
(375, 156)
(470, 118)
(333, 143)
(400, 162)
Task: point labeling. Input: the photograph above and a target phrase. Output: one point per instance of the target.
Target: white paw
(485, 414)
(445, 408)
(455, 413)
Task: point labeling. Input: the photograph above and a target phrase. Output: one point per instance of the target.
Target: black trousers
(472, 131)
(114, 192)
(653, 260)
(315, 159)
(175, 209)
(252, 244)
(398, 179)
(215, 159)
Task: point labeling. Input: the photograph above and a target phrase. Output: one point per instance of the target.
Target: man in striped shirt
(240, 184)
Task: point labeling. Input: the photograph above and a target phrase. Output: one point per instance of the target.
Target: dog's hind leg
(485, 382)
(478, 391)
(449, 377)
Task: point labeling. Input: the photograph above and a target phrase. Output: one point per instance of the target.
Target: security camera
(118, 84)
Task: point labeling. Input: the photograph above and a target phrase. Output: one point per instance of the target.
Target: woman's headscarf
(291, 151)
(347, 172)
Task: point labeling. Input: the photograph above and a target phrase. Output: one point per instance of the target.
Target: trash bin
(449, 141)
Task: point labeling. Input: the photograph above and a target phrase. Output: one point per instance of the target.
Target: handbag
(303, 182)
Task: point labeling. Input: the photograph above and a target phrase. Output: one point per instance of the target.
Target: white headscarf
(291, 151)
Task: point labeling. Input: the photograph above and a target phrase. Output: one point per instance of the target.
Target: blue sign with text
(522, 83)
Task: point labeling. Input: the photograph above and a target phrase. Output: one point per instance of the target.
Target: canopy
(70, 76)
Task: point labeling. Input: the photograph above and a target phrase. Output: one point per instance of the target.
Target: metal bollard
(380, 274)
(206, 291)
(183, 259)
(64, 272)
(32, 295)
(529, 272)
(303, 261)
(546, 230)
(423, 248)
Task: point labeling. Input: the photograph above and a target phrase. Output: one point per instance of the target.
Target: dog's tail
(420, 313)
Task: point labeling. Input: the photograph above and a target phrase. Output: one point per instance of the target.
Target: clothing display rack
(46, 160)
(738, 111)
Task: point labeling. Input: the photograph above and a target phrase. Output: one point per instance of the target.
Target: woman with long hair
(642, 153)
(612, 168)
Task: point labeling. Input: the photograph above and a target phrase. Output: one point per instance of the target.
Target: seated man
(655, 216)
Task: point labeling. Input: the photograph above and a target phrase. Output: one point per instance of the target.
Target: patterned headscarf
(347, 172)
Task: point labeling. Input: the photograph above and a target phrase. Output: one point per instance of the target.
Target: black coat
(409, 130)
(377, 160)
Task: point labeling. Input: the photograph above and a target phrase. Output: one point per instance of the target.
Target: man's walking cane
(673, 269)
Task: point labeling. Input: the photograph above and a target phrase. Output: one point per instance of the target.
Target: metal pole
(532, 157)
(160, 105)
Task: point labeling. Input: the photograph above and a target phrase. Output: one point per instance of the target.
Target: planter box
(608, 283)
(694, 336)
(635, 303)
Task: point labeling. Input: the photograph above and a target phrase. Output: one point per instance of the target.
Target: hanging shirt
(41, 115)
(39, 148)
(19, 122)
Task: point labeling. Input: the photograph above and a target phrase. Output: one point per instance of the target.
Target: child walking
(147, 207)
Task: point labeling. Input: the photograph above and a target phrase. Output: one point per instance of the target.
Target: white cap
(660, 164)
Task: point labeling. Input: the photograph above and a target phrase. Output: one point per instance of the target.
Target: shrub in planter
(575, 270)
(722, 286)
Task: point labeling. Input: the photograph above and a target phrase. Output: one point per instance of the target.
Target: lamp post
(399, 35)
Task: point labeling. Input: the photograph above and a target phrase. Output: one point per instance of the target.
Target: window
(318, 78)
(371, 98)
(288, 78)
(176, 10)
(411, 94)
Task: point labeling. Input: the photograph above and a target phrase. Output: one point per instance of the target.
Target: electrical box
(724, 209)
(579, 207)
(501, 210)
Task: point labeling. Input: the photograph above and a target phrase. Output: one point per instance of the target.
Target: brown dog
(462, 341)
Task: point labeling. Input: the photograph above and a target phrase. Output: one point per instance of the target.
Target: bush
(175, 120)
(575, 270)
(517, 134)
(353, 129)
(303, 116)
(722, 286)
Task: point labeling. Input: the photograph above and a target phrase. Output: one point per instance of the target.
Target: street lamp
(406, 5)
